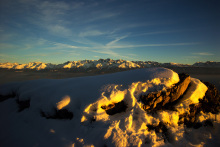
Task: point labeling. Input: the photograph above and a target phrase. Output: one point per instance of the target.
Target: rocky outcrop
(161, 128)
(211, 100)
(23, 104)
(209, 104)
(114, 108)
(166, 100)
(5, 97)
(59, 114)
(161, 99)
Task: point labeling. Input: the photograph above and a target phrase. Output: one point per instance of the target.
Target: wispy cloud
(59, 30)
(100, 15)
(158, 32)
(91, 33)
(46, 11)
(49, 15)
(153, 45)
(56, 6)
(7, 36)
(134, 25)
(42, 54)
(7, 57)
(116, 40)
(60, 46)
(203, 54)
(7, 46)
(70, 52)
(94, 47)
(191, 57)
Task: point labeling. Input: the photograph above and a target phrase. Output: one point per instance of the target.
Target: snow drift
(101, 111)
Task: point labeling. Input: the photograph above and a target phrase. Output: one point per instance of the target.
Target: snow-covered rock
(172, 64)
(8, 65)
(207, 64)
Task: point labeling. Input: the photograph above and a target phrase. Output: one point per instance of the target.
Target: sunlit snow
(102, 64)
(86, 97)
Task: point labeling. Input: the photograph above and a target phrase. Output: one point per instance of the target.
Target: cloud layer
(114, 29)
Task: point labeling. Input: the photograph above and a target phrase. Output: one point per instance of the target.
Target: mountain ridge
(102, 64)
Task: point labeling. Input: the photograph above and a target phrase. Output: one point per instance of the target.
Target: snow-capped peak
(102, 64)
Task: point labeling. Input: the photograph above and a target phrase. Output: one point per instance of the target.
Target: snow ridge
(102, 64)
(207, 64)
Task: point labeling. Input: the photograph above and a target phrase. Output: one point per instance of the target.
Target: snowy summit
(103, 110)
(102, 64)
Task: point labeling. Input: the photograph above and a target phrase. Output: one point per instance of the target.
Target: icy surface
(91, 125)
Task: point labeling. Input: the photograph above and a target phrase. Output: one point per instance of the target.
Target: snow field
(86, 97)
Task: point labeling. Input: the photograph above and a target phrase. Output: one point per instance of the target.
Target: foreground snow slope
(89, 124)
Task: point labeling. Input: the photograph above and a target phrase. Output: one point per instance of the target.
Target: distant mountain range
(102, 64)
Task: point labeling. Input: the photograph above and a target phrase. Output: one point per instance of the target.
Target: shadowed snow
(88, 98)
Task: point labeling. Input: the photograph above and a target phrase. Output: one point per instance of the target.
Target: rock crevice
(114, 108)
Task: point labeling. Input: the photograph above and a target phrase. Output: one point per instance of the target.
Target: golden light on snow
(64, 102)
(169, 117)
(81, 142)
(52, 131)
(83, 119)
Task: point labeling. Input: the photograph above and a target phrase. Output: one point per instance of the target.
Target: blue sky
(55, 31)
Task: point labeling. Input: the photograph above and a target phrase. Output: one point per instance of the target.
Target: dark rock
(208, 123)
(166, 99)
(114, 108)
(92, 119)
(211, 100)
(158, 100)
(181, 119)
(158, 129)
(5, 97)
(161, 128)
(197, 125)
(209, 103)
(190, 119)
(161, 99)
(59, 114)
(110, 106)
(147, 140)
(180, 87)
(23, 105)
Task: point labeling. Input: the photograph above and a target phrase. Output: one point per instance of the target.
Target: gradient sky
(56, 31)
